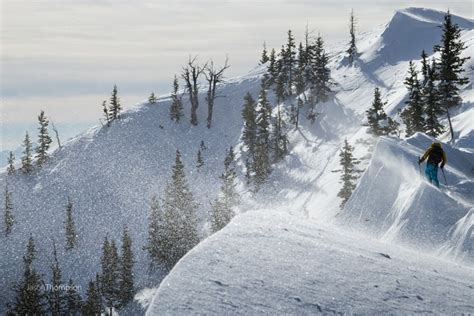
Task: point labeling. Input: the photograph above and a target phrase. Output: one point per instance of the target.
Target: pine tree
(152, 98)
(73, 299)
(272, 69)
(26, 160)
(109, 279)
(92, 305)
(450, 66)
(432, 103)
(179, 210)
(413, 113)
(348, 172)
(199, 159)
(289, 60)
(202, 146)
(352, 50)
(222, 208)
(424, 67)
(156, 229)
(30, 299)
(320, 81)
(261, 164)
(8, 218)
(126, 284)
(71, 236)
(56, 296)
(279, 138)
(44, 140)
(115, 107)
(249, 134)
(11, 164)
(106, 112)
(376, 117)
(176, 108)
(264, 59)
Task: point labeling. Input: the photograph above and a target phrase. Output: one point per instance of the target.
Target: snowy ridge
(410, 210)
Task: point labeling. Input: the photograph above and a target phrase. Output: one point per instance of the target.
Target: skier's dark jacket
(435, 155)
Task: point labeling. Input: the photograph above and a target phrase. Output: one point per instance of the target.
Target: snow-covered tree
(320, 81)
(348, 172)
(93, 303)
(56, 296)
(109, 278)
(249, 134)
(450, 66)
(179, 211)
(26, 160)
(73, 299)
(279, 138)
(199, 159)
(378, 121)
(44, 140)
(222, 208)
(431, 99)
(106, 112)
(70, 228)
(288, 62)
(176, 108)
(11, 164)
(262, 163)
(30, 297)
(126, 279)
(412, 114)
(424, 67)
(264, 59)
(156, 230)
(352, 50)
(272, 68)
(8, 218)
(115, 107)
(152, 98)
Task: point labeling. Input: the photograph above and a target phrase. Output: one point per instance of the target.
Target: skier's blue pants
(431, 173)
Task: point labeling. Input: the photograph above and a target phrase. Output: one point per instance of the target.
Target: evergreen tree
(320, 80)
(264, 59)
(348, 172)
(272, 68)
(71, 236)
(73, 299)
(26, 160)
(378, 121)
(56, 297)
(126, 284)
(261, 163)
(176, 108)
(29, 294)
(412, 115)
(179, 210)
(352, 50)
(8, 218)
(44, 140)
(450, 66)
(279, 138)
(249, 134)
(152, 98)
(156, 229)
(115, 107)
(92, 305)
(288, 62)
(424, 67)
(11, 164)
(109, 279)
(432, 103)
(222, 208)
(106, 112)
(199, 160)
(202, 146)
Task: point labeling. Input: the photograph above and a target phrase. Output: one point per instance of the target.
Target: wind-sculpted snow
(393, 200)
(270, 263)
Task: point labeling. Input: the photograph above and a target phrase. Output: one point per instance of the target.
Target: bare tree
(56, 133)
(214, 76)
(190, 75)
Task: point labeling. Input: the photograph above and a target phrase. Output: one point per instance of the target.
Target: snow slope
(268, 262)
(112, 173)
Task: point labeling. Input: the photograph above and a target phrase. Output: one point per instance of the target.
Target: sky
(64, 56)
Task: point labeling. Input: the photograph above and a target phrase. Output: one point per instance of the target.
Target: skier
(435, 155)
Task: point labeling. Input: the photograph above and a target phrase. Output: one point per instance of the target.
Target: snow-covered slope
(268, 262)
(112, 173)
